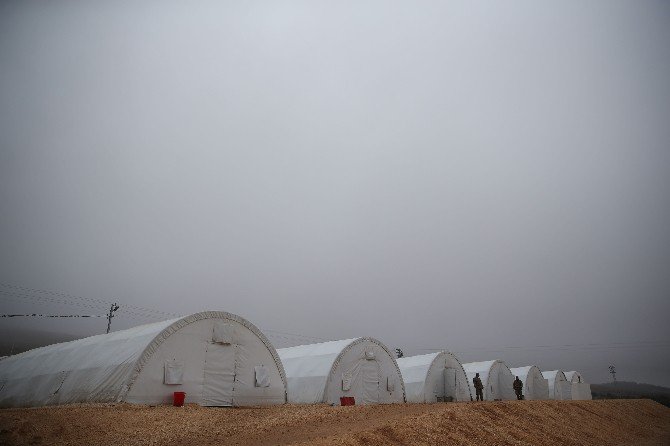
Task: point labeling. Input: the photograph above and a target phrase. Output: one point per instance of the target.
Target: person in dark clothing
(518, 388)
(479, 387)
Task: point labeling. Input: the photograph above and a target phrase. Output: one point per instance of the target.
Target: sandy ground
(612, 422)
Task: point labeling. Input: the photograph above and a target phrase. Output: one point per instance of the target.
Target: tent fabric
(559, 387)
(496, 378)
(174, 372)
(136, 365)
(434, 377)
(535, 386)
(362, 368)
(581, 390)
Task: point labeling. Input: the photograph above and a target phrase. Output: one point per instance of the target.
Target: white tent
(559, 387)
(535, 387)
(581, 390)
(217, 358)
(362, 368)
(434, 377)
(496, 378)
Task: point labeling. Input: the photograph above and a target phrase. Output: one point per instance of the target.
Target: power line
(65, 298)
(55, 300)
(52, 315)
(100, 301)
(122, 312)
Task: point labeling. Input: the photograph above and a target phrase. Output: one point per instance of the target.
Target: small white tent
(434, 377)
(535, 387)
(559, 387)
(581, 390)
(496, 378)
(362, 368)
(217, 358)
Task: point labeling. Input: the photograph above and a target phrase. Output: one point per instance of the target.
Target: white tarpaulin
(535, 387)
(434, 377)
(201, 354)
(559, 387)
(496, 378)
(581, 390)
(362, 368)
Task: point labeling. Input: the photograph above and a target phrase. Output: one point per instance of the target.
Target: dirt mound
(612, 422)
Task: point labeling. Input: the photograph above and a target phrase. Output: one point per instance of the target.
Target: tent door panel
(449, 384)
(563, 390)
(219, 383)
(370, 378)
(540, 388)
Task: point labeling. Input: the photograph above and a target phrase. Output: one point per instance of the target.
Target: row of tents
(221, 359)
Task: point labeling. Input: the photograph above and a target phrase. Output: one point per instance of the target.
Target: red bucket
(178, 399)
(347, 401)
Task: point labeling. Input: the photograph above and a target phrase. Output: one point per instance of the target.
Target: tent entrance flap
(219, 380)
(370, 378)
(449, 384)
(563, 390)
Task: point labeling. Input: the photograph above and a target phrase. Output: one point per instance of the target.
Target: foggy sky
(490, 178)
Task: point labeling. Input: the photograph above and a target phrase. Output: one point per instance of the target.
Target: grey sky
(465, 175)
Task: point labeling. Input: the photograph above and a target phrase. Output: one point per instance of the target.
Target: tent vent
(222, 333)
(174, 372)
(369, 354)
(262, 376)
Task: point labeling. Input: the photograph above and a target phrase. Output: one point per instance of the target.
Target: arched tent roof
(496, 378)
(573, 376)
(559, 386)
(535, 386)
(581, 390)
(428, 378)
(102, 368)
(325, 371)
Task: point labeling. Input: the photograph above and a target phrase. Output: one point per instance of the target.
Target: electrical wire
(72, 296)
(52, 315)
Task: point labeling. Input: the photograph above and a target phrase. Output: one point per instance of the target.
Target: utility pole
(613, 372)
(110, 315)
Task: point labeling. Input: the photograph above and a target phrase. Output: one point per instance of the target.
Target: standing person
(479, 387)
(518, 388)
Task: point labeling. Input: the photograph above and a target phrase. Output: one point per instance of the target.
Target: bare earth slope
(610, 422)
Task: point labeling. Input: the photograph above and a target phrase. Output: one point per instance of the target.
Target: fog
(485, 177)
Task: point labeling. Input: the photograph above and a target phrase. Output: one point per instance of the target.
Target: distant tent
(496, 378)
(217, 358)
(581, 390)
(434, 377)
(362, 368)
(559, 387)
(535, 387)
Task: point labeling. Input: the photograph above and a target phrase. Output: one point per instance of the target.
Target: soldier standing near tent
(479, 387)
(518, 387)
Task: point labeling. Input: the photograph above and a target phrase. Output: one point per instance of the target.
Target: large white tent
(559, 387)
(362, 368)
(580, 389)
(217, 358)
(496, 378)
(535, 387)
(434, 377)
